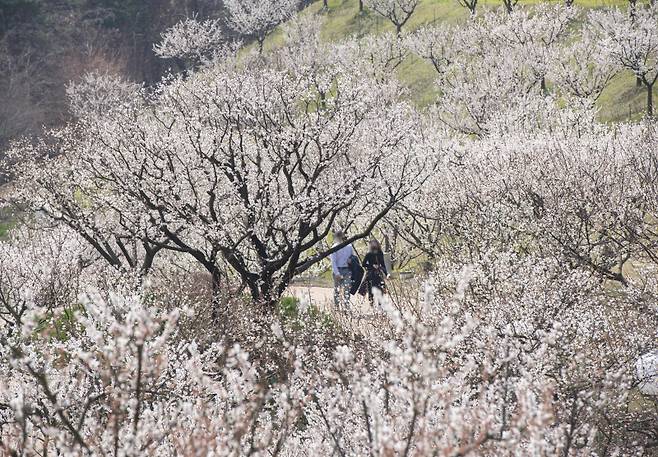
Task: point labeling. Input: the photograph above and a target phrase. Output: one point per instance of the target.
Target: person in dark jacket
(375, 268)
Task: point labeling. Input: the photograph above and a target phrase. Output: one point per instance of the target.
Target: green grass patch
(622, 99)
(289, 307)
(419, 77)
(61, 325)
(291, 314)
(5, 227)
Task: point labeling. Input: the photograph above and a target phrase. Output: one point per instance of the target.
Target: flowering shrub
(510, 353)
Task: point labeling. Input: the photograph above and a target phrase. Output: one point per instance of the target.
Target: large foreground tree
(250, 164)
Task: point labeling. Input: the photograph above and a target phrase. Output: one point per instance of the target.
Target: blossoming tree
(253, 163)
(633, 40)
(258, 18)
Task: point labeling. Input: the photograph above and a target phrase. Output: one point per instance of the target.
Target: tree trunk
(261, 42)
(650, 100)
(268, 298)
(149, 258)
(632, 8)
(219, 308)
(360, 6)
(263, 294)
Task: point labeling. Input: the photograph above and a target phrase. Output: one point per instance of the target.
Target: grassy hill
(619, 101)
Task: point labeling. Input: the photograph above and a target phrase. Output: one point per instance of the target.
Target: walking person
(342, 273)
(375, 267)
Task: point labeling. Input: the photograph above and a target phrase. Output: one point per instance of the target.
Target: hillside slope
(620, 101)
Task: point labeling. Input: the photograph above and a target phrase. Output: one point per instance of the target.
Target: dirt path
(323, 298)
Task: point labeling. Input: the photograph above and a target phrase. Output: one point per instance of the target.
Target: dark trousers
(374, 279)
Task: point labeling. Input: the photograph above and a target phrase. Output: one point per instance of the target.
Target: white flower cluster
(191, 39)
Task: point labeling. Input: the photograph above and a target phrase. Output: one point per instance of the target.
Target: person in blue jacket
(342, 273)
